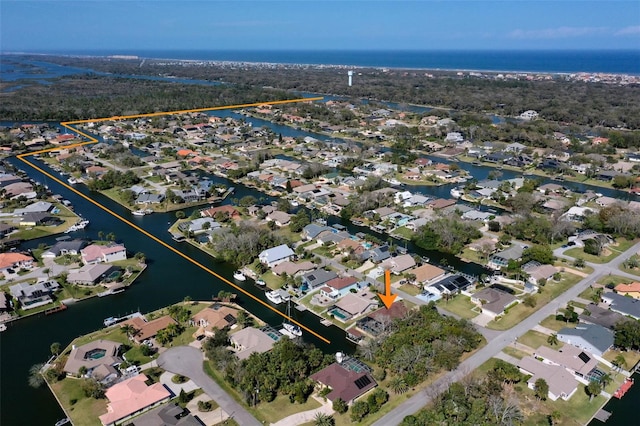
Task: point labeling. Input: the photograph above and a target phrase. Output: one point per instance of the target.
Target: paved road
(187, 361)
(496, 345)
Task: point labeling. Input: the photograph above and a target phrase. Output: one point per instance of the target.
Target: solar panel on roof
(584, 357)
(362, 382)
(229, 318)
(312, 277)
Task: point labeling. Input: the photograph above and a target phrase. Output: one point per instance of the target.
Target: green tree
(593, 389)
(322, 419)
(359, 410)
(92, 388)
(35, 378)
(183, 398)
(541, 389)
(339, 406)
(552, 339)
(398, 385)
(530, 301)
(620, 362)
(55, 348)
(180, 214)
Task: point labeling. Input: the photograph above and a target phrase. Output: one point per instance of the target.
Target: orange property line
(69, 124)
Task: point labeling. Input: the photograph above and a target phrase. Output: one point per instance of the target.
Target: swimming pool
(340, 314)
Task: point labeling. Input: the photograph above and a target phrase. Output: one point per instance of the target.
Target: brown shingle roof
(345, 384)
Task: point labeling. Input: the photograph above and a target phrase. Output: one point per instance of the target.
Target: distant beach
(548, 61)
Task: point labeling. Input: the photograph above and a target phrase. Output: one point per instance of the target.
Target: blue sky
(117, 25)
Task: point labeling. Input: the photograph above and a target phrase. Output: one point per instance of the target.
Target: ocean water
(556, 61)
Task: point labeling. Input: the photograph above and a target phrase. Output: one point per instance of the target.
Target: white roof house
(276, 255)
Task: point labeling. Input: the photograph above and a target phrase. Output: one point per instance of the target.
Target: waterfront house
(37, 207)
(631, 290)
(589, 337)
(39, 219)
(451, 285)
(230, 211)
(215, 317)
(275, 255)
(573, 359)
(427, 273)
(399, 264)
(93, 355)
(95, 253)
(316, 278)
(338, 287)
(622, 304)
(502, 258)
(292, 269)
(561, 383)
(149, 198)
(377, 254)
(493, 302)
(345, 384)
(132, 397)
(90, 274)
(280, 218)
(32, 296)
(62, 248)
(197, 226)
(378, 321)
(147, 329)
(250, 340)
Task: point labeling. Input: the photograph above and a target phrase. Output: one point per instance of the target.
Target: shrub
(339, 406)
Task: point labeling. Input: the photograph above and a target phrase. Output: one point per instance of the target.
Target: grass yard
(281, 407)
(134, 356)
(635, 271)
(549, 292)
(460, 305)
(410, 289)
(515, 352)
(631, 357)
(472, 256)
(614, 279)
(33, 232)
(403, 232)
(613, 251)
(552, 323)
(184, 338)
(81, 410)
(534, 339)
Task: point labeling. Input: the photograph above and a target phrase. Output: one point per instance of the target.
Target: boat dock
(624, 388)
(602, 415)
(53, 310)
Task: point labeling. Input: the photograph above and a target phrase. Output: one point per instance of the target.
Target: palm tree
(593, 389)
(128, 329)
(398, 385)
(322, 419)
(605, 379)
(553, 339)
(554, 417)
(620, 362)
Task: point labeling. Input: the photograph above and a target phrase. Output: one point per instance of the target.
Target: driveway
(187, 361)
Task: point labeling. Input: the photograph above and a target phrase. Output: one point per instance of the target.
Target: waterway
(622, 410)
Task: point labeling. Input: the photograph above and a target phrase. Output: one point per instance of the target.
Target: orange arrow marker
(387, 298)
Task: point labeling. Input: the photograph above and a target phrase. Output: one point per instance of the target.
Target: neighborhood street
(505, 338)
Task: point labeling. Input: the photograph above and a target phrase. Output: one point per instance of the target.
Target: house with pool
(100, 358)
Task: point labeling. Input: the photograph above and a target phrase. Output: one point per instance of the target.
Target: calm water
(558, 61)
(623, 410)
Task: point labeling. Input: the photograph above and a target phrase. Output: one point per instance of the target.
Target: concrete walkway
(187, 361)
(306, 416)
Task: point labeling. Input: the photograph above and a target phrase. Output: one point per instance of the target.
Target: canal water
(623, 410)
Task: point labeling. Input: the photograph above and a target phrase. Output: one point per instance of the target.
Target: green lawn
(620, 246)
(410, 289)
(281, 407)
(634, 271)
(33, 232)
(614, 279)
(515, 352)
(460, 305)
(134, 356)
(534, 339)
(549, 292)
(631, 357)
(552, 323)
(404, 232)
(472, 256)
(84, 411)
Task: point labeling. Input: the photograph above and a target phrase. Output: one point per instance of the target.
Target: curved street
(187, 361)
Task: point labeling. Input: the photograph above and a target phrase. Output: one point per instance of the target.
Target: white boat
(110, 321)
(62, 422)
(78, 226)
(274, 297)
(238, 275)
(3, 327)
(291, 329)
(72, 181)
(139, 212)
(261, 283)
(456, 192)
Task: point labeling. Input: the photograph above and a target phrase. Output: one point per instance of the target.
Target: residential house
(93, 355)
(377, 254)
(280, 218)
(502, 258)
(147, 329)
(250, 340)
(167, 415)
(538, 272)
(37, 207)
(90, 274)
(338, 287)
(39, 219)
(292, 269)
(573, 359)
(451, 285)
(148, 198)
(398, 264)
(6, 229)
(199, 225)
(561, 383)
(62, 248)
(215, 317)
(132, 397)
(354, 304)
(592, 338)
(378, 321)
(95, 253)
(622, 304)
(632, 290)
(345, 384)
(601, 316)
(230, 211)
(316, 278)
(14, 261)
(427, 273)
(32, 296)
(275, 255)
(492, 301)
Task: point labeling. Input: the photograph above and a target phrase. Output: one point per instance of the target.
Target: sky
(118, 25)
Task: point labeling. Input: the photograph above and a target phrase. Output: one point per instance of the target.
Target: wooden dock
(53, 310)
(602, 415)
